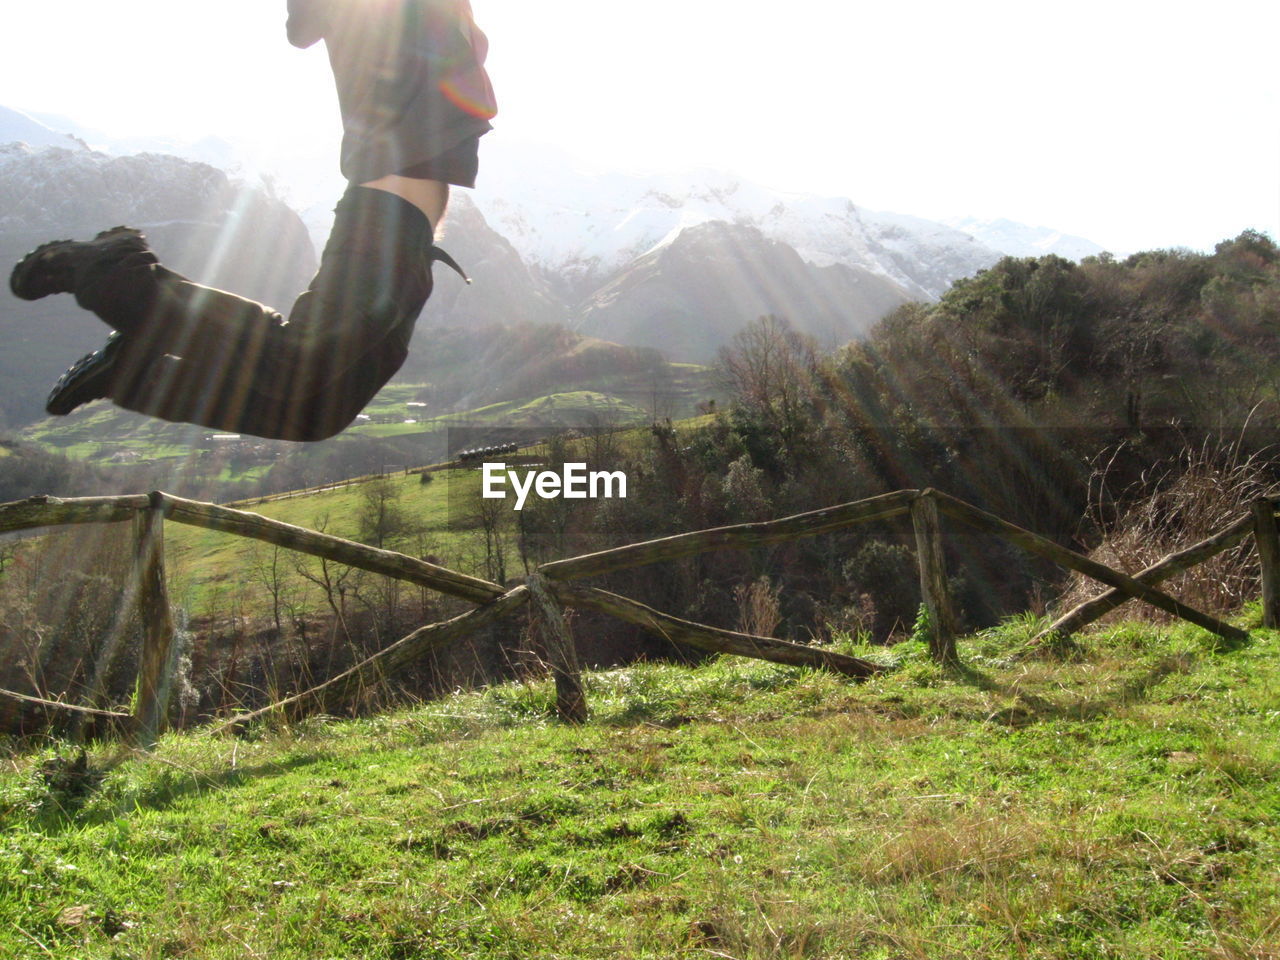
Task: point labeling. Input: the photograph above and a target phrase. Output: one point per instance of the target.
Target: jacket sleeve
(308, 21)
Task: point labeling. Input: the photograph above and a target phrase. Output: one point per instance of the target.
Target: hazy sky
(1135, 124)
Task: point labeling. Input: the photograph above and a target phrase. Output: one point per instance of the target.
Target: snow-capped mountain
(577, 228)
(19, 127)
(230, 156)
(582, 228)
(305, 178)
(1020, 240)
(201, 222)
(688, 296)
(208, 150)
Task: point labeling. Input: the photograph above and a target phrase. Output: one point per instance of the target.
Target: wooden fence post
(1264, 532)
(155, 663)
(933, 579)
(571, 698)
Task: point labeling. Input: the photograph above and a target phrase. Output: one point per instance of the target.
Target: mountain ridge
(586, 227)
(202, 225)
(1022, 240)
(688, 296)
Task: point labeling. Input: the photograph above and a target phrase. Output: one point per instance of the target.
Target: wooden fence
(551, 588)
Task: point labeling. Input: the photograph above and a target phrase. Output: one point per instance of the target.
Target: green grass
(572, 407)
(203, 562)
(207, 564)
(1122, 803)
(409, 428)
(258, 471)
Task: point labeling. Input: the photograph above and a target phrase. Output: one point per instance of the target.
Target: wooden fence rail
(1042, 546)
(37, 512)
(1092, 610)
(334, 693)
(549, 589)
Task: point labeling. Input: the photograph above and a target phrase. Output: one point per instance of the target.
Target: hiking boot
(89, 378)
(56, 267)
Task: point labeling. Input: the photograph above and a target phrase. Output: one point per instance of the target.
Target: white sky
(1135, 124)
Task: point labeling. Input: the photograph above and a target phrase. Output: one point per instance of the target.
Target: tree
(333, 579)
(769, 369)
(495, 518)
(380, 517)
(268, 569)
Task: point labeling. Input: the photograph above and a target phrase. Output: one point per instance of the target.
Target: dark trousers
(198, 355)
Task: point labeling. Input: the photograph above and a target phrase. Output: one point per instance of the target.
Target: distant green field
(574, 406)
(101, 433)
(229, 474)
(205, 564)
(406, 428)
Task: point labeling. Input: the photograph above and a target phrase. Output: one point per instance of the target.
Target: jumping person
(415, 100)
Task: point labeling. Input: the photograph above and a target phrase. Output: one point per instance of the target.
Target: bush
(1173, 506)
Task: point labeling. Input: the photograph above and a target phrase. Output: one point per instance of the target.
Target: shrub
(1173, 506)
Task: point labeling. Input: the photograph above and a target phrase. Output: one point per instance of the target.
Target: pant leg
(209, 357)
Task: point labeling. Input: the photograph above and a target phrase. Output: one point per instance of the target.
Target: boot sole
(85, 380)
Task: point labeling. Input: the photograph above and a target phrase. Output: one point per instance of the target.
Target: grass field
(204, 562)
(1122, 803)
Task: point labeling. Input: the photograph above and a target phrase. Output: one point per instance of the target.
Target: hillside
(1120, 804)
(688, 297)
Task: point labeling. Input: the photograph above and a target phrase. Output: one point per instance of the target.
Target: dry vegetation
(1172, 506)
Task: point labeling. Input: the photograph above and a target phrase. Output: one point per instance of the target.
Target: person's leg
(305, 378)
(208, 357)
(152, 309)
